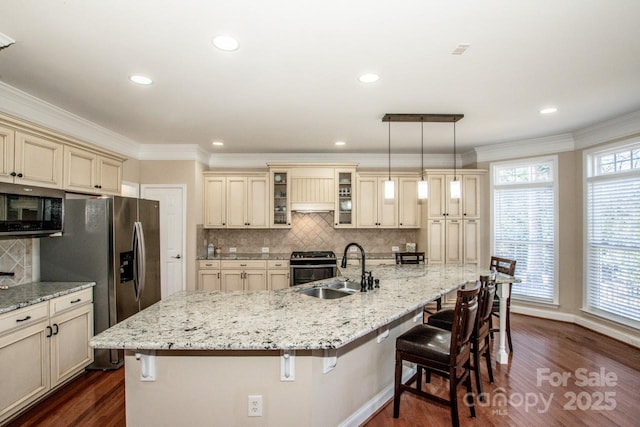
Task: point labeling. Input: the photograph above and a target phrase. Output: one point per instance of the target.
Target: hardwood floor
(97, 398)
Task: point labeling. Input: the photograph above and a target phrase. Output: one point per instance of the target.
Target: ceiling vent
(5, 41)
(460, 49)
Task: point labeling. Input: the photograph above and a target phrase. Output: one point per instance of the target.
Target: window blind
(524, 219)
(613, 246)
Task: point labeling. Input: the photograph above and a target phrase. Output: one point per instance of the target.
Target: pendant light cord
(421, 149)
(389, 150)
(454, 149)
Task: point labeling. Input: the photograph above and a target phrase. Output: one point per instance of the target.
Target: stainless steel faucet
(343, 264)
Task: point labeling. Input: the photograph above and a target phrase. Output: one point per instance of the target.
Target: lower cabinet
(209, 277)
(41, 347)
(239, 275)
(277, 275)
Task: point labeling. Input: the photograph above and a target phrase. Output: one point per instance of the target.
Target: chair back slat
(464, 322)
(485, 299)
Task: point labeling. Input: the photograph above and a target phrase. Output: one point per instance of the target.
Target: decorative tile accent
(309, 232)
(15, 256)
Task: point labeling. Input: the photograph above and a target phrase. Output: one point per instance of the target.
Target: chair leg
(439, 304)
(509, 330)
(419, 378)
(396, 388)
(472, 405)
(487, 356)
(427, 376)
(476, 368)
(453, 397)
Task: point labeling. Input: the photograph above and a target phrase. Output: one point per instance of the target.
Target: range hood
(313, 190)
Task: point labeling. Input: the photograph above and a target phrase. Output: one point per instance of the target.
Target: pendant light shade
(389, 185)
(423, 186)
(454, 186)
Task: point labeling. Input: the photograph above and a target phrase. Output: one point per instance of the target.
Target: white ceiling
(293, 84)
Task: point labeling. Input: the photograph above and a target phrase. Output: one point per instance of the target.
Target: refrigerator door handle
(136, 256)
(140, 258)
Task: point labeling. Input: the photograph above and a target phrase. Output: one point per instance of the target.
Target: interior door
(172, 235)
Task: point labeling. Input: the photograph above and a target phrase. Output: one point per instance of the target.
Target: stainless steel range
(311, 266)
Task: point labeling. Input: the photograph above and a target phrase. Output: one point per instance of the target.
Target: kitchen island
(312, 361)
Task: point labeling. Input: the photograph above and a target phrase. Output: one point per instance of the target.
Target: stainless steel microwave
(30, 211)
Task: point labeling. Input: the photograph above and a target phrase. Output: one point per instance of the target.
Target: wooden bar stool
(480, 337)
(444, 353)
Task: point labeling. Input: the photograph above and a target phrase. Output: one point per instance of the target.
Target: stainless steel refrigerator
(114, 242)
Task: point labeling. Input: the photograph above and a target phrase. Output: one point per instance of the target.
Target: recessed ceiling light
(141, 80)
(548, 110)
(218, 143)
(340, 143)
(224, 42)
(369, 78)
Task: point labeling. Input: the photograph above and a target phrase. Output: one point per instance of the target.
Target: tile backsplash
(15, 256)
(309, 231)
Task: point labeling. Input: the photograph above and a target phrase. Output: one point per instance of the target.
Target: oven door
(310, 273)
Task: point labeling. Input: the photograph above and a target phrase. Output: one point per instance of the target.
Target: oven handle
(315, 266)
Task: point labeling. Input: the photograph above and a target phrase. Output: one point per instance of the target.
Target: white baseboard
(370, 408)
(579, 320)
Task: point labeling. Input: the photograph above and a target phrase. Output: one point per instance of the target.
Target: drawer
(23, 317)
(239, 264)
(208, 264)
(70, 301)
(275, 264)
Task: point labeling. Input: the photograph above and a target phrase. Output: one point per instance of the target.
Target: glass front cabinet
(344, 213)
(280, 198)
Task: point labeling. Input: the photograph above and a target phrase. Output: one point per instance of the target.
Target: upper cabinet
(30, 159)
(442, 205)
(280, 190)
(409, 208)
(374, 211)
(236, 201)
(345, 202)
(89, 172)
(33, 156)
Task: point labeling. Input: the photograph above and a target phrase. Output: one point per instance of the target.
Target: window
(524, 218)
(612, 246)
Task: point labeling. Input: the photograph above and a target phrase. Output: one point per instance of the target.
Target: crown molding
(363, 160)
(27, 107)
(526, 148)
(617, 128)
(173, 152)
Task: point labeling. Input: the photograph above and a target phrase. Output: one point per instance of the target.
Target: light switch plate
(232, 250)
(395, 248)
(265, 250)
(353, 249)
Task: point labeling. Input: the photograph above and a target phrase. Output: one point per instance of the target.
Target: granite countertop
(248, 256)
(19, 296)
(284, 319)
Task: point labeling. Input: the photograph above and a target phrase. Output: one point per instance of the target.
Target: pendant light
(423, 186)
(454, 186)
(389, 187)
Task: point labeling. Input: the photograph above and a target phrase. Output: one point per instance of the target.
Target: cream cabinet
(30, 159)
(43, 346)
(236, 201)
(345, 202)
(238, 275)
(89, 172)
(280, 197)
(209, 277)
(409, 211)
(374, 211)
(277, 274)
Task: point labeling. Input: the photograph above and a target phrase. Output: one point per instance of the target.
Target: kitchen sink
(325, 293)
(344, 285)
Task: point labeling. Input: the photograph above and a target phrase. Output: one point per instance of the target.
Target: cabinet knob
(13, 174)
(20, 175)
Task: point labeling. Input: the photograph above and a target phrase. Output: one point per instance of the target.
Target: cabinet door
(38, 161)
(109, 175)
(409, 209)
(278, 279)
(367, 213)
(258, 202)
(453, 241)
(6, 154)
(255, 280)
(236, 202)
(215, 204)
(471, 196)
(24, 371)
(80, 170)
(345, 208)
(280, 198)
(387, 208)
(232, 280)
(435, 241)
(453, 206)
(209, 280)
(471, 238)
(70, 351)
(436, 203)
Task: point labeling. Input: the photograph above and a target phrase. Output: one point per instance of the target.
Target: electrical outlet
(232, 250)
(395, 248)
(265, 250)
(255, 405)
(353, 249)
